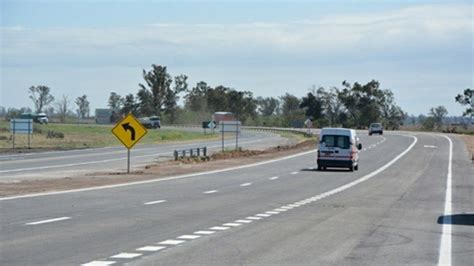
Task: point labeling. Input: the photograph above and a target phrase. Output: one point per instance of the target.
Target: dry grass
(469, 140)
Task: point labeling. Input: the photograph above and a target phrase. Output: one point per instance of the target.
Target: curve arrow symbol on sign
(127, 127)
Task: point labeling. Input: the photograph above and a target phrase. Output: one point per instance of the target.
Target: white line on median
(445, 246)
(49, 221)
(154, 202)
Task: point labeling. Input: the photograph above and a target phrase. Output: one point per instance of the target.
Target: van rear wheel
(356, 167)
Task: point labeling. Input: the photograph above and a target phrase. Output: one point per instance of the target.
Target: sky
(421, 50)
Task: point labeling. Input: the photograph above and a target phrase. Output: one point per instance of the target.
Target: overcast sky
(421, 50)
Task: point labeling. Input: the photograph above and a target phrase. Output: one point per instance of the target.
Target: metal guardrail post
(175, 155)
(205, 151)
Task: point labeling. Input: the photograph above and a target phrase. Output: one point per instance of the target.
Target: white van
(338, 147)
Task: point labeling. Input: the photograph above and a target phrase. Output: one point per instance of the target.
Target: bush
(55, 135)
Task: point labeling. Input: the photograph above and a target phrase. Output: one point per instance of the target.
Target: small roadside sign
(21, 126)
(308, 123)
(129, 131)
(211, 124)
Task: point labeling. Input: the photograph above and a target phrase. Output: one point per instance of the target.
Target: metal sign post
(129, 131)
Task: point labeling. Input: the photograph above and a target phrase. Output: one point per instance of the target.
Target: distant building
(223, 116)
(103, 116)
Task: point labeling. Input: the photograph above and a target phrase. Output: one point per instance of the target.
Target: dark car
(151, 122)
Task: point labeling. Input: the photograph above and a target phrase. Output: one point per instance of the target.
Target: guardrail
(192, 152)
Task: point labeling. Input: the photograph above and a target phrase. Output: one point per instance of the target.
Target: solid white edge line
(49, 221)
(445, 249)
(158, 179)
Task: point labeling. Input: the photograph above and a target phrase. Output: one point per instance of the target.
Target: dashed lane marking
(154, 202)
(219, 228)
(188, 237)
(99, 263)
(273, 178)
(210, 191)
(245, 184)
(294, 173)
(49, 221)
(171, 242)
(243, 221)
(150, 248)
(204, 232)
(263, 215)
(126, 255)
(254, 218)
(272, 212)
(232, 224)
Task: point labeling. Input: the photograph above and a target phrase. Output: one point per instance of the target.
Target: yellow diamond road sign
(129, 131)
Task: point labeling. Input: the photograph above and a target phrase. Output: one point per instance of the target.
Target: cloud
(405, 33)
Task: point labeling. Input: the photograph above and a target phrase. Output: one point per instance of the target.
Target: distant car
(338, 147)
(151, 122)
(375, 128)
(42, 118)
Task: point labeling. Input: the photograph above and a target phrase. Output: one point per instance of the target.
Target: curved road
(410, 203)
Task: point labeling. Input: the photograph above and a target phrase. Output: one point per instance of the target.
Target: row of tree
(353, 105)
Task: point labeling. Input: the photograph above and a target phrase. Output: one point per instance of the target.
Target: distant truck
(41, 118)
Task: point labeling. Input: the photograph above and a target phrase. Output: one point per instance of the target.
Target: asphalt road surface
(58, 164)
(411, 202)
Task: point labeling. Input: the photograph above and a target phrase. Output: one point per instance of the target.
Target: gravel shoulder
(152, 171)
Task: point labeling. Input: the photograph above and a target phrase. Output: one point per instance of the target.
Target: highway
(57, 164)
(411, 202)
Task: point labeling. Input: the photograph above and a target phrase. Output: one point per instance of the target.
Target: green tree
(172, 96)
(467, 99)
(130, 105)
(115, 101)
(63, 108)
(41, 97)
(312, 106)
(196, 98)
(291, 111)
(158, 83)
(83, 109)
(267, 106)
(438, 114)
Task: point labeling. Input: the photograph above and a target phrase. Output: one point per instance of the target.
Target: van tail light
(353, 153)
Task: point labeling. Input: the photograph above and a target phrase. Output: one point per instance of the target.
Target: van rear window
(336, 141)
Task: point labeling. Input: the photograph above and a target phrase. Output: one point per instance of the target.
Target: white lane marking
(126, 255)
(158, 179)
(272, 212)
(49, 221)
(246, 184)
(219, 228)
(430, 146)
(445, 246)
(253, 218)
(243, 221)
(171, 242)
(210, 191)
(273, 178)
(150, 248)
(99, 263)
(280, 210)
(188, 237)
(263, 215)
(204, 232)
(286, 207)
(232, 224)
(154, 202)
(294, 173)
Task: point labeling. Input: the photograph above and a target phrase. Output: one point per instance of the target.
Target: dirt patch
(153, 171)
(469, 140)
